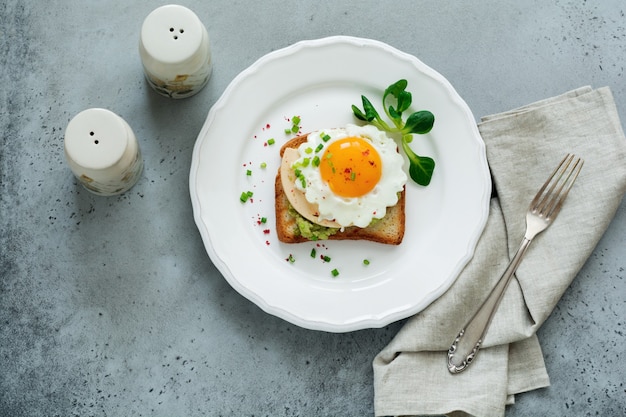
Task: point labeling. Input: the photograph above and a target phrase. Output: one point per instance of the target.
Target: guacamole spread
(311, 230)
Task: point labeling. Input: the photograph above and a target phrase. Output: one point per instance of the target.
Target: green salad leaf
(396, 100)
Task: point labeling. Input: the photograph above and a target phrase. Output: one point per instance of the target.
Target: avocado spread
(309, 229)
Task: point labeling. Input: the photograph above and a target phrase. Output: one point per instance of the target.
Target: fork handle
(465, 347)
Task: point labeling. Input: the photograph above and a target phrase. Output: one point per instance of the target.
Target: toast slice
(388, 230)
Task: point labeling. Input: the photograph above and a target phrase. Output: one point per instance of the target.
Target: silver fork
(541, 213)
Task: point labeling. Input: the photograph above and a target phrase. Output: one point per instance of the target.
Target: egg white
(356, 211)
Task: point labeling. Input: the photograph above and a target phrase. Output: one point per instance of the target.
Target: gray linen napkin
(523, 147)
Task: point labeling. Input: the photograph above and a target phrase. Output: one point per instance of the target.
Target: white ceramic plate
(319, 80)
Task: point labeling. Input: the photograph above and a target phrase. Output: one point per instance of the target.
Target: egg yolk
(351, 167)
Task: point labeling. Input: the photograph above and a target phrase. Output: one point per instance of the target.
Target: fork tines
(551, 196)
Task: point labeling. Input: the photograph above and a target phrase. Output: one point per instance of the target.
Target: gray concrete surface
(111, 307)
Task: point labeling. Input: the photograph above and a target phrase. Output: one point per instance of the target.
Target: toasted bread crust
(293, 143)
(388, 230)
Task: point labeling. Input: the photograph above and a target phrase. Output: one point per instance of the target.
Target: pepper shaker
(102, 152)
(175, 51)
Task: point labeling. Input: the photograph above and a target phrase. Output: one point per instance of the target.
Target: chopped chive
(313, 253)
(334, 272)
(245, 196)
(271, 141)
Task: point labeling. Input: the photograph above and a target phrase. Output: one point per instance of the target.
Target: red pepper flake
(266, 231)
(267, 242)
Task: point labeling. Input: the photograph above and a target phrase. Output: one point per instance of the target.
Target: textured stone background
(110, 306)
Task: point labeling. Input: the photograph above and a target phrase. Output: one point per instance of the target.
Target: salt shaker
(175, 51)
(102, 152)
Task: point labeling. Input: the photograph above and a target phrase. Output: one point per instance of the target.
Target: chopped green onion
(325, 138)
(319, 147)
(316, 161)
(352, 176)
(295, 128)
(308, 150)
(263, 220)
(291, 259)
(287, 131)
(305, 162)
(271, 141)
(248, 172)
(299, 175)
(334, 272)
(313, 253)
(366, 262)
(245, 196)
(263, 165)
(295, 120)
(326, 258)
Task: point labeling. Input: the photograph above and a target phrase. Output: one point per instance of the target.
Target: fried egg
(350, 174)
